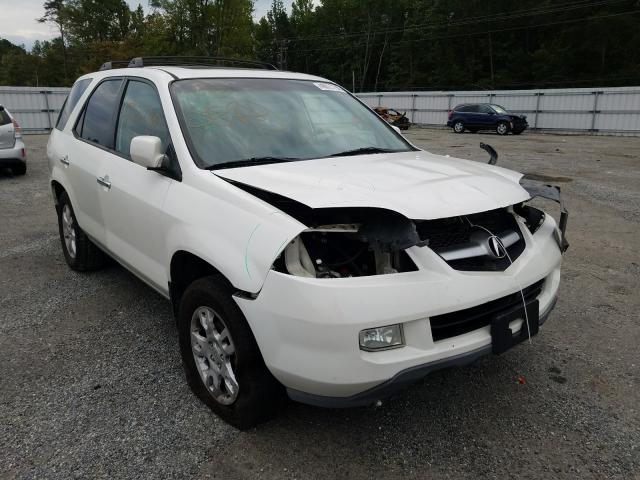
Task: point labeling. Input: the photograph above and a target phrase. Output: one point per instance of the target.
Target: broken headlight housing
(338, 251)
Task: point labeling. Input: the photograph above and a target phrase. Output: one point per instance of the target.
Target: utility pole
(491, 58)
(353, 81)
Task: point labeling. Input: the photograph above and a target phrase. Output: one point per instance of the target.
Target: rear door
(94, 131)
(473, 115)
(136, 221)
(7, 132)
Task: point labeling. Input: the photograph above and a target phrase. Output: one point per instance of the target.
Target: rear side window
(5, 119)
(72, 99)
(141, 114)
(95, 124)
(466, 108)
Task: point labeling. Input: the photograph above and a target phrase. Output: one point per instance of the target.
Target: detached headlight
(381, 338)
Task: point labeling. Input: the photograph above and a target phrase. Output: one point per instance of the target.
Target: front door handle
(64, 160)
(104, 181)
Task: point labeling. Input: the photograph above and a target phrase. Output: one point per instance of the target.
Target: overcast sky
(18, 19)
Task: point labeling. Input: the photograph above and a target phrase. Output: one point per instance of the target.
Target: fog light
(381, 338)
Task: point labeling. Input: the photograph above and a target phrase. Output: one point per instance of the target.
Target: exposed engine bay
(374, 242)
(362, 241)
(365, 246)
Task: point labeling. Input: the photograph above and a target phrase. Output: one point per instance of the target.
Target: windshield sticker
(328, 86)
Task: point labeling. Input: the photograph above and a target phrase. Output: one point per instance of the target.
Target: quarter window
(74, 95)
(140, 114)
(96, 124)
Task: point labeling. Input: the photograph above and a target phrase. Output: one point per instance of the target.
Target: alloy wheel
(68, 230)
(214, 354)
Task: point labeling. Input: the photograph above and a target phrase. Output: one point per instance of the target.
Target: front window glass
(240, 121)
(499, 109)
(74, 95)
(141, 114)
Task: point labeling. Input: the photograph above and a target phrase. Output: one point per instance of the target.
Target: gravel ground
(91, 384)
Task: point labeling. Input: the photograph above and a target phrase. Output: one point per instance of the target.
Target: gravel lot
(91, 383)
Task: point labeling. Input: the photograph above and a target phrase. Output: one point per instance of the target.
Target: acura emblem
(495, 247)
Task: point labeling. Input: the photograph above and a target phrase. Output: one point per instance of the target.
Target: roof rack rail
(197, 62)
(114, 64)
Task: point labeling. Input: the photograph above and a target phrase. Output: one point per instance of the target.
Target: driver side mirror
(147, 152)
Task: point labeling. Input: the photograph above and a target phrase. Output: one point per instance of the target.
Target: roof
(204, 72)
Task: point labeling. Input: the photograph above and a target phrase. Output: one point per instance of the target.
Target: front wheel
(221, 358)
(458, 127)
(502, 128)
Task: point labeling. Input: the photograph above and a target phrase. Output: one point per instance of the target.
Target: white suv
(305, 245)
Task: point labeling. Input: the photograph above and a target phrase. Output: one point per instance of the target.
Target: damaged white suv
(305, 245)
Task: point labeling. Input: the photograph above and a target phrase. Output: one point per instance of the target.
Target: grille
(470, 319)
(457, 231)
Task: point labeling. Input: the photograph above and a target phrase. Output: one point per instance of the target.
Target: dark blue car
(485, 116)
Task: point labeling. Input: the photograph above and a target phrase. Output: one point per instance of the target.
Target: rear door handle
(104, 181)
(64, 160)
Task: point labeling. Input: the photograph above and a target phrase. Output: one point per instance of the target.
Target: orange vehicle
(393, 117)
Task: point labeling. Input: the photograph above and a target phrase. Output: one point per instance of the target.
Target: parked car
(325, 257)
(486, 116)
(394, 117)
(13, 154)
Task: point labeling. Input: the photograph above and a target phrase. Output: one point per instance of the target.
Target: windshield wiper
(251, 161)
(362, 151)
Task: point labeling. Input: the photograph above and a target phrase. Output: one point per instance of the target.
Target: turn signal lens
(381, 338)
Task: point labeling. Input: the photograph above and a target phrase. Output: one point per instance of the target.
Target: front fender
(237, 233)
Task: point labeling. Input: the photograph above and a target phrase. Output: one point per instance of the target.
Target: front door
(136, 221)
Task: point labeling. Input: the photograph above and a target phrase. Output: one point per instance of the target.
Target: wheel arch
(57, 190)
(185, 268)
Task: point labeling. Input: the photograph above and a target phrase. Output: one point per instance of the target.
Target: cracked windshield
(235, 122)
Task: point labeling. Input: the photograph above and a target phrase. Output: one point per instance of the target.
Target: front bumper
(399, 381)
(519, 125)
(307, 329)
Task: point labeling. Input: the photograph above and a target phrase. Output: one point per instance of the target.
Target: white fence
(598, 111)
(35, 108)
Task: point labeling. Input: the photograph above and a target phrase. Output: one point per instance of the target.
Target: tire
(247, 393)
(19, 169)
(502, 128)
(80, 253)
(458, 127)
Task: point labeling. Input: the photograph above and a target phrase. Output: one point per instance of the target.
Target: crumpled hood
(419, 185)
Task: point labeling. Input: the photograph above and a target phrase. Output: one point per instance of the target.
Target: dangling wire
(524, 302)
